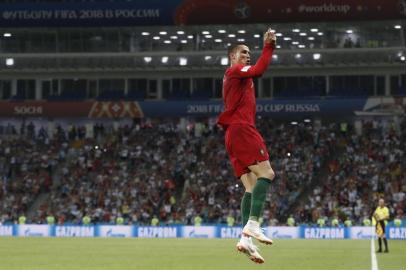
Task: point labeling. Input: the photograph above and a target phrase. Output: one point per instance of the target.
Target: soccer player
(245, 146)
(379, 219)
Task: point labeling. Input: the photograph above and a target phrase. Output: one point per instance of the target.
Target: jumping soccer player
(379, 219)
(245, 146)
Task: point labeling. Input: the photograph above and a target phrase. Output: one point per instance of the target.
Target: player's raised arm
(240, 58)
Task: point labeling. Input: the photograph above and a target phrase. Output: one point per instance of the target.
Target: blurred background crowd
(176, 171)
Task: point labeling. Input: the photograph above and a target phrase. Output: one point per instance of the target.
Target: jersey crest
(245, 69)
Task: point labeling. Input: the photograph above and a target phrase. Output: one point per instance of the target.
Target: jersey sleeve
(385, 213)
(241, 71)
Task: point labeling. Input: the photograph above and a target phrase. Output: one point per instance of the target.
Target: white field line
(374, 262)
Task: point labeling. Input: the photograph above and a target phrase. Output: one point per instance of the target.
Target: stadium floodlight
(9, 61)
(402, 58)
(231, 35)
(183, 41)
(398, 26)
(145, 33)
(167, 42)
(147, 59)
(205, 32)
(236, 185)
(278, 46)
(207, 57)
(278, 34)
(217, 40)
(183, 61)
(174, 37)
(7, 35)
(349, 31)
(314, 30)
(224, 61)
(307, 120)
(303, 34)
(310, 38)
(301, 46)
(316, 56)
(241, 31)
(241, 40)
(320, 33)
(190, 37)
(294, 122)
(221, 31)
(257, 36)
(298, 56)
(295, 43)
(208, 36)
(275, 57)
(180, 32)
(163, 33)
(296, 30)
(287, 38)
(164, 59)
(156, 38)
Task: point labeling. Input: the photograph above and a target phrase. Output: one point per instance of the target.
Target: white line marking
(374, 262)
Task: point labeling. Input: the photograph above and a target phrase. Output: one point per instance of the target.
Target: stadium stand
(161, 168)
(119, 170)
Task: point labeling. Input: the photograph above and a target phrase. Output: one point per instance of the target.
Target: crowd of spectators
(370, 166)
(175, 170)
(26, 166)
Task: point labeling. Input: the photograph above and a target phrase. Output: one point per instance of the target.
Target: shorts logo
(262, 152)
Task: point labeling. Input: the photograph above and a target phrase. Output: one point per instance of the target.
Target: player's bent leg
(263, 169)
(265, 174)
(249, 180)
(245, 245)
(248, 248)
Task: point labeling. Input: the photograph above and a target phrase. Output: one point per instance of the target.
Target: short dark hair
(233, 47)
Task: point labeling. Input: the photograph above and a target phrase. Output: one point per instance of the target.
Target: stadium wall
(180, 231)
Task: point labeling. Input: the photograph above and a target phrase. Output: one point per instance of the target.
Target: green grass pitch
(190, 254)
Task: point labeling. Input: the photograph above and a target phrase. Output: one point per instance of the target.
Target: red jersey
(239, 91)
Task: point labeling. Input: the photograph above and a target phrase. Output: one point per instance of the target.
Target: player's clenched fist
(270, 37)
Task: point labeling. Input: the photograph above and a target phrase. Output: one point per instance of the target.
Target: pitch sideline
(374, 262)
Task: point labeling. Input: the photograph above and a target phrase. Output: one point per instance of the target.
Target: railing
(213, 60)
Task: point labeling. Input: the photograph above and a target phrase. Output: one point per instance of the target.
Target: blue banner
(271, 107)
(7, 230)
(180, 231)
(228, 232)
(396, 232)
(73, 231)
(193, 12)
(159, 232)
(104, 13)
(324, 232)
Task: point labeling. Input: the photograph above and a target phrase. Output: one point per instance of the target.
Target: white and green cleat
(246, 246)
(253, 229)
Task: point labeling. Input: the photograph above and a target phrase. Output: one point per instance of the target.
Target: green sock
(258, 197)
(245, 208)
